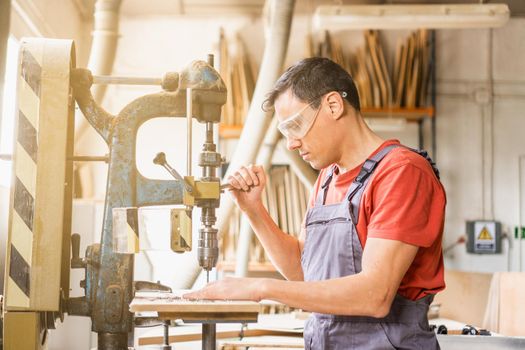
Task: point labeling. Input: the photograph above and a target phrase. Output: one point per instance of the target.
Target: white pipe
(264, 158)
(257, 121)
(103, 50)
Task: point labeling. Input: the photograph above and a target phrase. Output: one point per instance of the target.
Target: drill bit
(207, 276)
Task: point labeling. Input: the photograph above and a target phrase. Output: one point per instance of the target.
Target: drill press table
(171, 306)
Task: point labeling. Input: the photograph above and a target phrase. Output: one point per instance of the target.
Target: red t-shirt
(403, 201)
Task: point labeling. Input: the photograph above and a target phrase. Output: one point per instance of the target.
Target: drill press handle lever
(160, 159)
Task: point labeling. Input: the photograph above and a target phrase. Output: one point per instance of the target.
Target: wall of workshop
(478, 158)
(479, 144)
(53, 19)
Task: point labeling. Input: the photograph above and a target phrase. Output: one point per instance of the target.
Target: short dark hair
(312, 78)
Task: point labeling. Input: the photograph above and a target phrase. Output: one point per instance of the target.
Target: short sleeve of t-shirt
(403, 199)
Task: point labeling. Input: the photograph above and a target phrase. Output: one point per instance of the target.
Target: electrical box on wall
(483, 237)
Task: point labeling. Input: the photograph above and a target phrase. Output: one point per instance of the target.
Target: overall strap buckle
(324, 186)
(328, 178)
(366, 170)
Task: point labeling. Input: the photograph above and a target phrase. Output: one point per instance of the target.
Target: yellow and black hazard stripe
(18, 287)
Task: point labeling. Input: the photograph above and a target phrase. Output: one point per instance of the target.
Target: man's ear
(336, 104)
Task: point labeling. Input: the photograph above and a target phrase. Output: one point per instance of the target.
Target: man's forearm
(283, 249)
(356, 295)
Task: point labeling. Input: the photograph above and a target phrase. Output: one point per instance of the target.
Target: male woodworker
(369, 260)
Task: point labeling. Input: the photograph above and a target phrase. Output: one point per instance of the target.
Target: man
(368, 261)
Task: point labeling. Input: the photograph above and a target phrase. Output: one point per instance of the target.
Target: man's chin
(315, 165)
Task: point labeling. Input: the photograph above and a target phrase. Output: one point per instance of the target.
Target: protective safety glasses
(297, 125)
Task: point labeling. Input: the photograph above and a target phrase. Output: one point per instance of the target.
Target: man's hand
(230, 289)
(247, 185)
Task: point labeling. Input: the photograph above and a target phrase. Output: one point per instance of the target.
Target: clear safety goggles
(297, 125)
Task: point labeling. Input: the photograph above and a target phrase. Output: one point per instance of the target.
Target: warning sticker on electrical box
(485, 233)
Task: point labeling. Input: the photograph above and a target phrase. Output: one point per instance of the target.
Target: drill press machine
(37, 290)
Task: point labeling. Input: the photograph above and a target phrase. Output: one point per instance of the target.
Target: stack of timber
(239, 75)
(285, 198)
(404, 85)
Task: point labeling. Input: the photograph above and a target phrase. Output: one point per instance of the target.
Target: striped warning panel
(18, 286)
(125, 230)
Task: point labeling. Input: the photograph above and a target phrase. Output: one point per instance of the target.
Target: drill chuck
(208, 249)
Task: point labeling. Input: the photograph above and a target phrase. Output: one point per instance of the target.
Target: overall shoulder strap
(321, 197)
(425, 155)
(358, 186)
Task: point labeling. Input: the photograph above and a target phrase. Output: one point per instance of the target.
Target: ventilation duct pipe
(103, 50)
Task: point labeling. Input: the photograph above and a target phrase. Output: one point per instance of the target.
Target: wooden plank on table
(174, 303)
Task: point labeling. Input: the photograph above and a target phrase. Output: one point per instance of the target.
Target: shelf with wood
(409, 114)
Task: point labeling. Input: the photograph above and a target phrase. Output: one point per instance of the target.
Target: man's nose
(292, 143)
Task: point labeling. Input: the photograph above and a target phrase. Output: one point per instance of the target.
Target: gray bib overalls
(332, 249)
